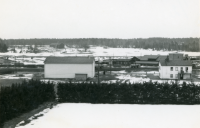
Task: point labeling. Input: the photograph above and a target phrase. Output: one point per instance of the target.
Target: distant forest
(183, 44)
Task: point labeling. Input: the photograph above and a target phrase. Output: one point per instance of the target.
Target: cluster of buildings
(172, 66)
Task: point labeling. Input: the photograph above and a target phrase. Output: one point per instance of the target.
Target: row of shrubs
(21, 98)
(126, 93)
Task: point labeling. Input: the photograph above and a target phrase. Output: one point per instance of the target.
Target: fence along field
(24, 97)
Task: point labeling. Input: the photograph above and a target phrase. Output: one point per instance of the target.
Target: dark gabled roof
(147, 57)
(143, 58)
(151, 56)
(176, 63)
(146, 62)
(107, 60)
(160, 58)
(121, 59)
(135, 58)
(69, 60)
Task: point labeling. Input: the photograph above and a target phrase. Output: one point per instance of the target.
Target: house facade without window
(174, 67)
(69, 67)
(175, 56)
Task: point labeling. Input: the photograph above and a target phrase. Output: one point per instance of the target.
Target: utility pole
(98, 70)
(15, 66)
(110, 65)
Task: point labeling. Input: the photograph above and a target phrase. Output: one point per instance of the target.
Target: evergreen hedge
(126, 93)
(20, 98)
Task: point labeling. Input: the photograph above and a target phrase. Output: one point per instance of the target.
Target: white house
(175, 69)
(69, 67)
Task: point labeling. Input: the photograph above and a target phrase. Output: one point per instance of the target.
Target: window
(186, 69)
(171, 68)
(176, 75)
(171, 75)
(176, 68)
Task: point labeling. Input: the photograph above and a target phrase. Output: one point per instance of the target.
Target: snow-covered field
(100, 51)
(95, 51)
(69, 115)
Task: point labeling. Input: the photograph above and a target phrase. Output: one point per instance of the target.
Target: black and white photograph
(99, 63)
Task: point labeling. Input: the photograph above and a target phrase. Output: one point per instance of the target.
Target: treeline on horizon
(183, 44)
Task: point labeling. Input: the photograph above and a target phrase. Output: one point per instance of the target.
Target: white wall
(68, 70)
(165, 71)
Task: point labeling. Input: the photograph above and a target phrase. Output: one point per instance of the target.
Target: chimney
(167, 60)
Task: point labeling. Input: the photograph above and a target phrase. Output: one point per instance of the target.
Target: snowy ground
(14, 76)
(141, 76)
(133, 52)
(117, 116)
(97, 51)
(122, 76)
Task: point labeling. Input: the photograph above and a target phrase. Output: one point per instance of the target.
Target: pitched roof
(147, 57)
(146, 62)
(135, 58)
(161, 58)
(176, 63)
(151, 56)
(121, 59)
(69, 60)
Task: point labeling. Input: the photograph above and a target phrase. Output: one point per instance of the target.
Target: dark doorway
(81, 76)
(181, 76)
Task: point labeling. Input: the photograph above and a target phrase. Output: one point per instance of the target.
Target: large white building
(174, 67)
(69, 67)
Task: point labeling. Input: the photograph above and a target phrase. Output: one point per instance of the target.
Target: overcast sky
(99, 18)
